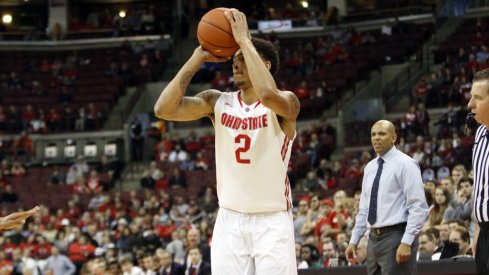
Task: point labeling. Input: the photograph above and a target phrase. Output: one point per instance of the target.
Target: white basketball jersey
(252, 155)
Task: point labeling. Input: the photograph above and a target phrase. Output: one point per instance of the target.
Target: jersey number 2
(243, 147)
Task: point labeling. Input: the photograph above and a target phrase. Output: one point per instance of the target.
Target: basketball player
(17, 219)
(254, 129)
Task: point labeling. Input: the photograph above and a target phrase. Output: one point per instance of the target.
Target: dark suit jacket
(176, 269)
(204, 269)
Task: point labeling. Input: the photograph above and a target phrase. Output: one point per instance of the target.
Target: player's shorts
(261, 244)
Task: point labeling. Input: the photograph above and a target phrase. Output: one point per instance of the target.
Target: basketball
(215, 35)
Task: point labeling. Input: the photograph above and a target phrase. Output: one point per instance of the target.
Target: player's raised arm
(283, 103)
(172, 105)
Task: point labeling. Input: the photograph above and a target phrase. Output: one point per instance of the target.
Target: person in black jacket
(197, 266)
(167, 265)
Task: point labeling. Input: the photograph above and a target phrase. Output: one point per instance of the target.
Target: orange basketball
(215, 35)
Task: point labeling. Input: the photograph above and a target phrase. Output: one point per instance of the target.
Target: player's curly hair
(268, 52)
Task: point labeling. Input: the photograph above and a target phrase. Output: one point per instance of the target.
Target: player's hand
(403, 253)
(239, 25)
(351, 254)
(17, 219)
(206, 56)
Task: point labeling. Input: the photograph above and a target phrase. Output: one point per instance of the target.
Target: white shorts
(248, 244)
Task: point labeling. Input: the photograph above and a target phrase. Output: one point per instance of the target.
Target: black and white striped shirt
(480, 162)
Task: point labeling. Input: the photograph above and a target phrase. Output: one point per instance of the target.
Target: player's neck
(248, 96)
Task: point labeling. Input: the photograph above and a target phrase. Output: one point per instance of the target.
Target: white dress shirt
(401, 196)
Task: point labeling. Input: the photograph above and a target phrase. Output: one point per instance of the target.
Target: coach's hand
(351, 254)
(16, 219)
(403, 253)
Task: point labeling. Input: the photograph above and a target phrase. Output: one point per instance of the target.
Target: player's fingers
(24, 214)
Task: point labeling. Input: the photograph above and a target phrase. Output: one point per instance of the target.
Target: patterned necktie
(372, 208)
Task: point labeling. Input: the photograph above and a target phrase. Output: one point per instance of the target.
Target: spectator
(302, 91)
(330, 255)
(177, 154)
(440, 206)
(94, 185)
(149, 265)
(460, 235)
(128, 268)
(17, 169)
(196, 264)
(300, 232)
(80, 251)
(463, 207)
(201, 162)
(176, 248)
(309, 257)
(59, 264)
(188, 164)
(9, 196)
(427, 247)
(177, 179)
(23, 146)
(81, 165)
(137, 140)
(167, 265)
(151, 175)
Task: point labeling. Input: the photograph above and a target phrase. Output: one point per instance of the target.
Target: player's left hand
(239, 25)
(403, 253)
(16, 219)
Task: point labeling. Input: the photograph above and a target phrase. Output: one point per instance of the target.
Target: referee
(479, 106)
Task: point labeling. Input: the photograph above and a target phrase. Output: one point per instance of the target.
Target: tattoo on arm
(295, 101)
(187, 101)
(208, 97)
(185, 80)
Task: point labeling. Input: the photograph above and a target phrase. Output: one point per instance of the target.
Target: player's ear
(268, 64)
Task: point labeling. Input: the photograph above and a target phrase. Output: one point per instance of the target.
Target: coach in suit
(392, 205)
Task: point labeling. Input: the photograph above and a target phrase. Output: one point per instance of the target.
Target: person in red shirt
(220, 81)
(8, 246)
(6, 265)
(337, 219)
(42, 250)
(53, 120)
(79, 187)
(93, 183)
(201, 162)
(23, 146)
(322, 226)
(422, 90)
(302, 91)
(80, 250)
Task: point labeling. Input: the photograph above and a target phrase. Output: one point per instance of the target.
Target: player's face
(479, 102)
(240, 71)
(382, 137)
